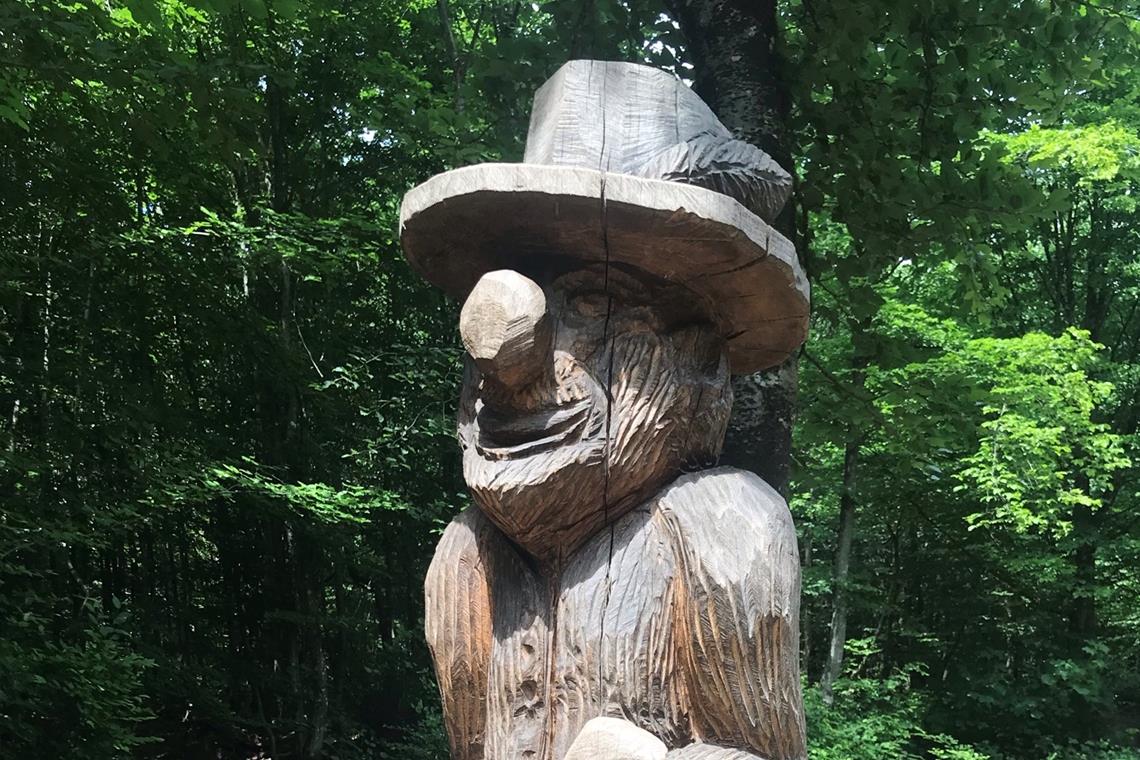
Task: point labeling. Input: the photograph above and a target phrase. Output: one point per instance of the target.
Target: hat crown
(614, 116)
(625, 164)
(632, 119)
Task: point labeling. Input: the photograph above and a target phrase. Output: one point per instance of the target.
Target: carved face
(631, 388)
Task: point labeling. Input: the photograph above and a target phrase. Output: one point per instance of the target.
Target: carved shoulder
(727, 522)
(738, 610)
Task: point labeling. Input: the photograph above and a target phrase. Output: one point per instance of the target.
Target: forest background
(226, 404)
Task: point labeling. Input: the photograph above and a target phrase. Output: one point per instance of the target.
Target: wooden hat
(624, 164)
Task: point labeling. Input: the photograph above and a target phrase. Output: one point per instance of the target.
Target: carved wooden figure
(612, 594)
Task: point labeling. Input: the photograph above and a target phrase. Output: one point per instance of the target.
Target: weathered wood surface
(635, 390)
(505, 328)
(686, 628)
(632, 119)
(459, 629)
(746, 276)
(597, 603)
(615, 739)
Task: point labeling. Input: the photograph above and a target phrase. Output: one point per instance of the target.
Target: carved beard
(547, 465)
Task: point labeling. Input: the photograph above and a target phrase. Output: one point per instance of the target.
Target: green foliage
(1096, 153)
(970, 385)
(1038, 452)
(873, 718)
(77, 694)
(226, 403)
(426, 740)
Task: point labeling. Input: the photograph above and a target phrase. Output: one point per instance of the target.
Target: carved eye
(591, 304)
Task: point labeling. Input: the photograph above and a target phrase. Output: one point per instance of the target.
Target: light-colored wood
(615, 739)
(702, 751)
(733, 167)
(625, 163)
(461, 224)
(631, 119)
(505, 328)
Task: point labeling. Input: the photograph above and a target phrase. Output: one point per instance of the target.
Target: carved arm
(737, 616)
(458, 625)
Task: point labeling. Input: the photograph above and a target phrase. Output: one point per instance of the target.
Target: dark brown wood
(688, 630)
(734, 46)
(585, 584)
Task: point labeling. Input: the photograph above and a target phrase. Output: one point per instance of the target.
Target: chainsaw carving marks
(537, 458)
(609, 596)
(701, 637)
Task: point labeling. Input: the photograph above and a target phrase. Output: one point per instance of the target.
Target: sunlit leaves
(1028, 444)
(1040, 451)
(1096, 153)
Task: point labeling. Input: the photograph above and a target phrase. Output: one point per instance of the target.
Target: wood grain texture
(625, 164)
(734, 537)
(686, 628)
(458, 627)
(461, 224)
(632, 119)
(505, 327)
(615, 739)
(637, 389)
(598, 602)
(702, 751)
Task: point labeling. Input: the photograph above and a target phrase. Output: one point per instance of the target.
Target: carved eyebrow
(591, 292)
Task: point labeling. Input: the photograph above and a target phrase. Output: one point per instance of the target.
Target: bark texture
(738, 72)
(846, 537)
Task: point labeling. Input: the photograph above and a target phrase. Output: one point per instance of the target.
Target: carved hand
(615, 739)
(701, 751)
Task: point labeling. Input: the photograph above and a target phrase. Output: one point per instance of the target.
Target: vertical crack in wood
(553, 590)
(608, 340)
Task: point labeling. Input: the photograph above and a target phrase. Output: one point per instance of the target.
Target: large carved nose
(505, 327)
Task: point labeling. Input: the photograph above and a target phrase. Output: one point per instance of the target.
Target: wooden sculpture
(612, 594)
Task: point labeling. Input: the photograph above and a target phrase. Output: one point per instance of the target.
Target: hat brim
(464, 223)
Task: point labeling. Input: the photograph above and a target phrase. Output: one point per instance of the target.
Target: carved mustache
(502, 435)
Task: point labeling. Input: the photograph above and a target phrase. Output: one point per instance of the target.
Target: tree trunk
(834, 664)
(805, 616)
(739, 73)
(1090, 710)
